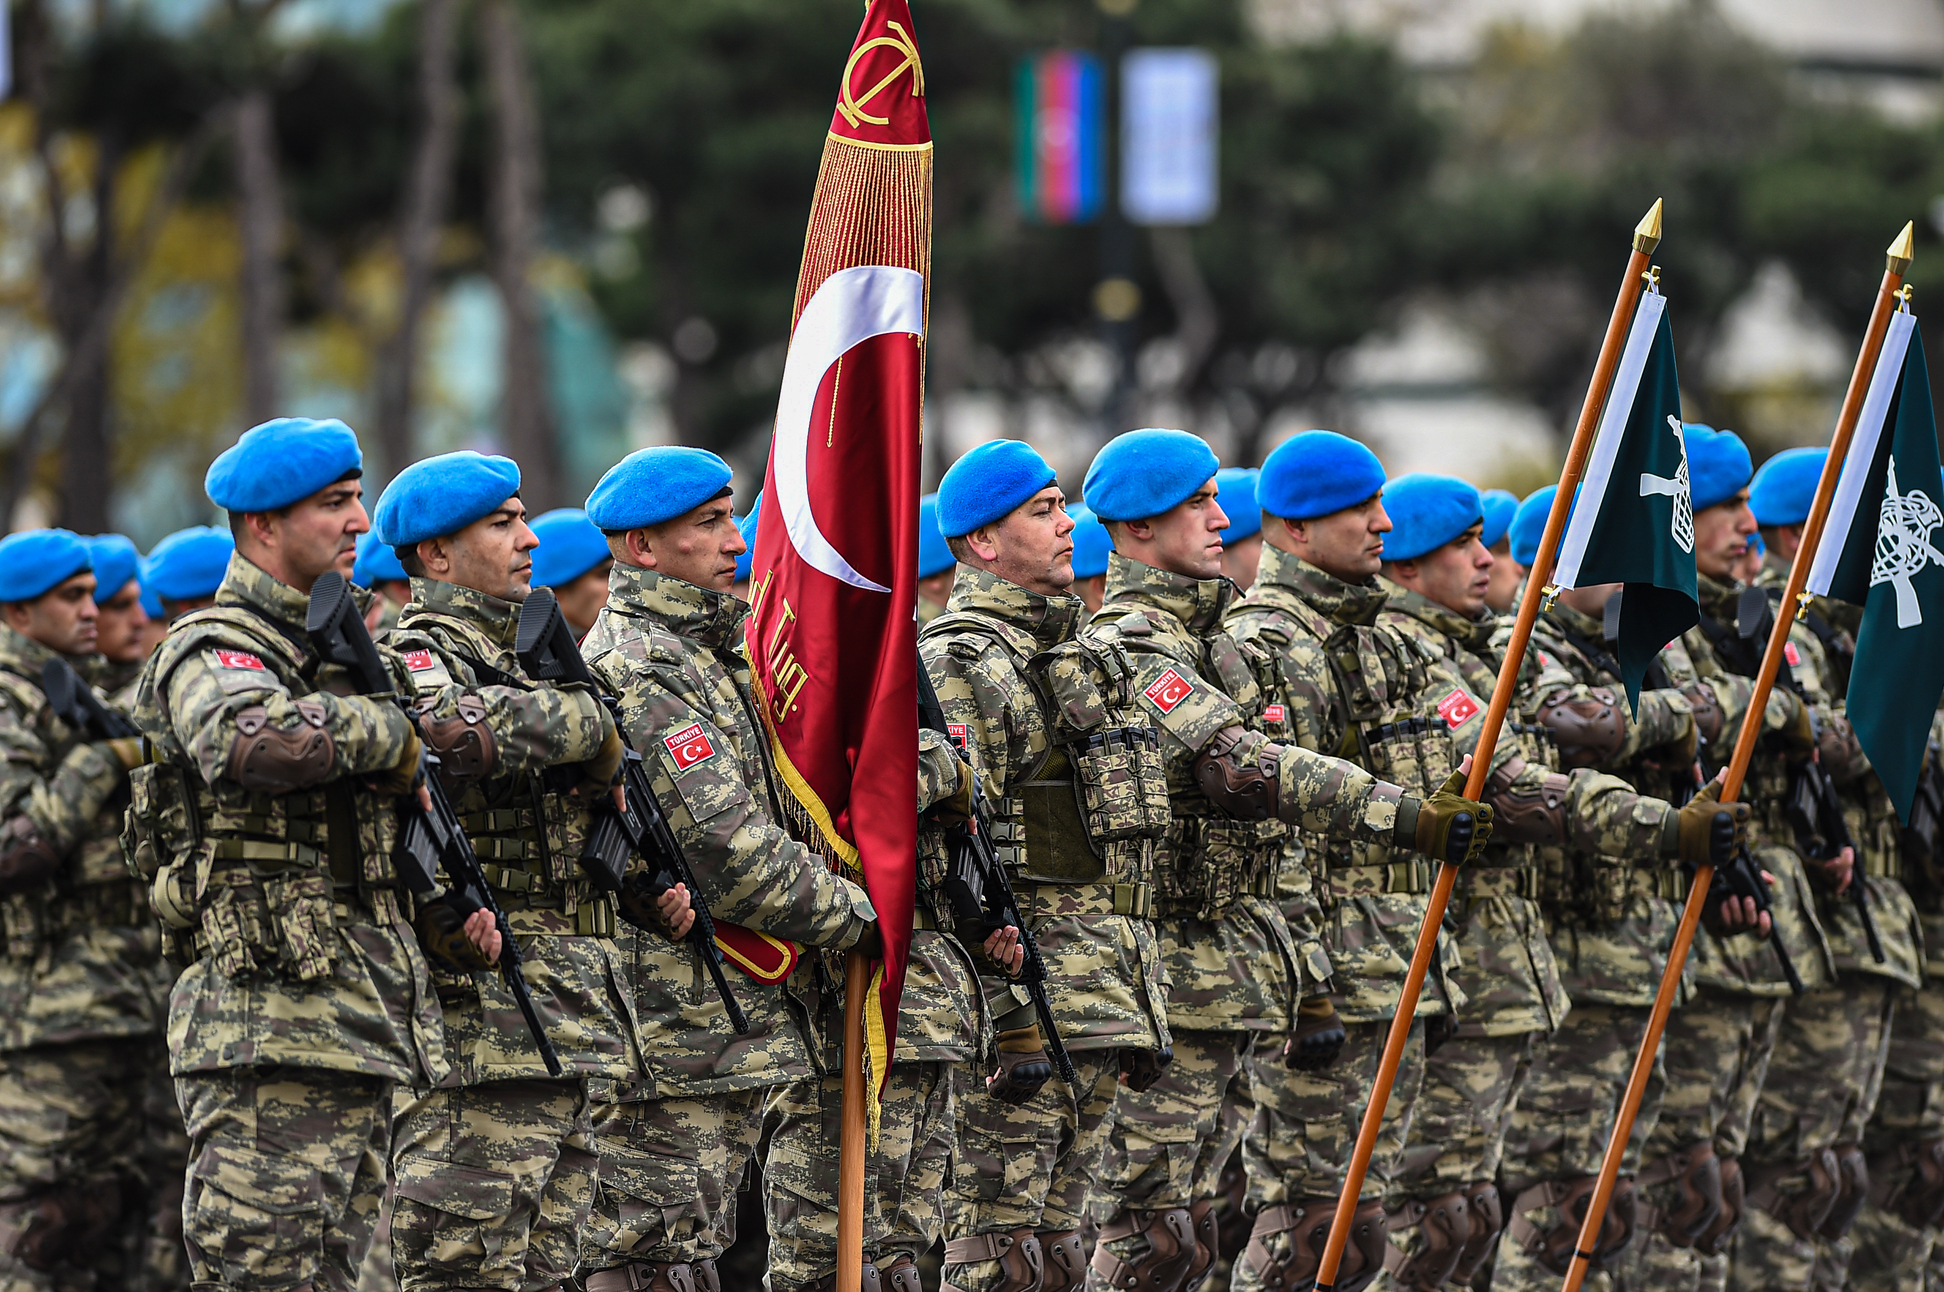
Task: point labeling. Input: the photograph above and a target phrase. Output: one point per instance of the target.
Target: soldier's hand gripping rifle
(549, 653)
(1738, 878)
(1815, 813)
(77, 705)
(981, 894)
(432, 837)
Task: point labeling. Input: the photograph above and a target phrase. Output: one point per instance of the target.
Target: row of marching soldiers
(1222, 813)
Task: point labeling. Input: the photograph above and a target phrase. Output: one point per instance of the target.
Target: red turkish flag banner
(831, 636)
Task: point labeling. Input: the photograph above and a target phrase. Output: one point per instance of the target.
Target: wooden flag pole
(1647, 236)
(1899, 257)
(850, 1139)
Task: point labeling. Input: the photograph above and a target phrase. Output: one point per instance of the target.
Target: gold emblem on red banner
(852, 105)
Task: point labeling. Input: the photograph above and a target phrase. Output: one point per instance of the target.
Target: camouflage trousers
(286, 1174)
(71, 1126)
(1027, 1167)
(1169, 1143)
(1821, 1090)
(1891, 1254)
(1715, 1054)
(1559, 1131)
(670, 1169)
(904, 1175)
(492, 1183)
(165, 1147)
(1299, 1141)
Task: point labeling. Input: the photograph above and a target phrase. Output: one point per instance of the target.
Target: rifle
(1815, 813)
(1739, 876)
(549, 653)
(77, 705)
(1923, 859)
(432, 837)
(981, 894)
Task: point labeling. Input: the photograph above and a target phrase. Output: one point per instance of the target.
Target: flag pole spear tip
(1647, 234)
(1904, 249)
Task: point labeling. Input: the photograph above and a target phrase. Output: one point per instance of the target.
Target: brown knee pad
(1017, 1251)
(1696, 1174)
(1617, 1226)
(1487, 1218)
(644, 1276)
(1714, 1240)
(65, 1221)
(1852, 1190)
(1446, 1224)
(1165, 1266)
(1805, 1211)
(1922, 1202)
(1307, 1221)
(901, 1275)
(1208, 1243)
(705, 1276)
(1063, 1261)
(1554, 1248)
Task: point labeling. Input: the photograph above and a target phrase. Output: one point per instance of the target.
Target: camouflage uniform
(1610, 919)
(941, 1025)
(495, 1167)
(673, 1146)
(1717, 1050)
(79, 995)
(1829, 1056)
(1006, 664)
(306, 996)
(1233, 964)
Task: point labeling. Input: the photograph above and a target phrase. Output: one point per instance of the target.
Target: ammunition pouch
(1018, 1252)
(1063, 1261)
(1853, 1190)
(463, 742)
(1525, 814)
(160, 824)
(1803, 1210)
(276, 761)
(1445, 1223)
(1307, 1222)
(1173, 1256)
(1695, 1173)
(1589, 729)
(1554, 1248)
(1487, 1218)
(1123, 784)
(27, 860)
(1217, 859)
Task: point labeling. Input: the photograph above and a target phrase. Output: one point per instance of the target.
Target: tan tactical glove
(442, 932)
(127, 750)
(1683, 749)
(1450, 827)
(1706, 829)
(399, 778)
(1318, 1038)
(605, 765)
(1023, 1066)
(1796, 738)
(957, 808)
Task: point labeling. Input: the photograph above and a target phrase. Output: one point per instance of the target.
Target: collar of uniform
(1049, 620)
(22, 654)
(497, 620)
(1340, 601)
(1475, 635)
(247, 584)
(1198, 603)
(1573, 621)
(1717, 599)
(700, 614)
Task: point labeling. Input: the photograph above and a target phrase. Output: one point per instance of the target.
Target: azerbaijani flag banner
(1059, 114)
(831, 638)
(1879, 550)
(1633, 521)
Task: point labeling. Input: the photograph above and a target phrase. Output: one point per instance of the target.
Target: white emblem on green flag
(1683, 524)
(1903, 545)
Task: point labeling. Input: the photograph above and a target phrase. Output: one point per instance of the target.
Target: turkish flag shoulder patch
(689, 746)
(957, 732)
(238, 659)
(1457, 708)
(419, 661)
(1168, 690)
(1273, 713)
(1790, 653)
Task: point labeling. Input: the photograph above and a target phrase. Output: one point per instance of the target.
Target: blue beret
(987, 483)
(151, 604)
(1091, 544)
(442, 495)
(1785, 486)
(570, 546)
(1755, 542)
(377, 562)
(1718, 464)
(40, 559)
(1427, 511)
(190, 563)
(1316, 474)
(746, 526)
(933, 556)
(1146, 472)
(656, 484)
(1237, 496)
(115, 562)
(1529, 524)
(1500, 505)
(281, 462)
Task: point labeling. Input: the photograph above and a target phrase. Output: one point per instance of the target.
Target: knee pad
(1922, 1203)
(1208, 1243)
(1307, 1221)
(1696, 1174)
(1487, 1218)
(66, 1220)
(1063, 1261)
(1170, 1257)
(1018, 1253)
(1852, 1189)
(1554, 1248)
(645, 1276)
(901, 1275)
(1805, 1210)
(1714, 1240)
(1445, 1223)
(704, 1273)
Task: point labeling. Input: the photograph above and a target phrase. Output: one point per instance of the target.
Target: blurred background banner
(1062, 165)
(1170, 142)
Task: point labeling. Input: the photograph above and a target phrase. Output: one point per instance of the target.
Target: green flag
(1880, 550)
(1633, 521)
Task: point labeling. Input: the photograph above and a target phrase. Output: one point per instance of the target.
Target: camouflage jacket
(1232, 961)
(1746, 964)
(670, 651)
(529, 838)
(1824, 644)
(1104, 975)
(81, 956)
(301, 949)
(1335, 678)
(1611, 919)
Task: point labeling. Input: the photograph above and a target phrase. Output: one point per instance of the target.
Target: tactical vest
(258, 881)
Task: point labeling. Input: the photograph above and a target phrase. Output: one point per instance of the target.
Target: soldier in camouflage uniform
(1829, 1060)
(1234, 965)
(266, 823)
(494, 1169)
(78, 974)
(935, 563)
(121, 625)
(1076, 782)
(674, 1145)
